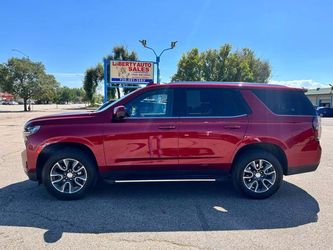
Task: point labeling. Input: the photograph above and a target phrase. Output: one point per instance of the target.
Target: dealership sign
(131, 72)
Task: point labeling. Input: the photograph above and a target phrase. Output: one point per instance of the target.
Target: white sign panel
(131, 72)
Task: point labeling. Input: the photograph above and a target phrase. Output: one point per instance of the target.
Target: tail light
(316, 124)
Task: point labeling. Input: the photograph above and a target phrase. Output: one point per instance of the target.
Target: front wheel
(69, 174)
(257, 174)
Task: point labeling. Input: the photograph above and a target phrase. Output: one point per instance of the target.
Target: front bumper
(32, 175)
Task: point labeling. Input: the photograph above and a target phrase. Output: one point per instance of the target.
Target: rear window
(285, 102)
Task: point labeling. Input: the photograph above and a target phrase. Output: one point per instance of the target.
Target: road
(160, 215)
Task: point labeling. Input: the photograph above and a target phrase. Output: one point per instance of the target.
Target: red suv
(256, 133)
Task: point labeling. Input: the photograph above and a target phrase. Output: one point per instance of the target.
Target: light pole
(158, 57)
(19, 51)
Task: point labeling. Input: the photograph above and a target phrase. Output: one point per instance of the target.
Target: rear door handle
(167, 127)
(232, 127)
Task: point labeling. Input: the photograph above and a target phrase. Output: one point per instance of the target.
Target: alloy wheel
(68, 176)
(259, 176)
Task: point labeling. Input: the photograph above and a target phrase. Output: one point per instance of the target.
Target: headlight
(30, 130)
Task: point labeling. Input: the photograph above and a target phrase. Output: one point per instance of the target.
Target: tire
(69, 174)
(254, 181)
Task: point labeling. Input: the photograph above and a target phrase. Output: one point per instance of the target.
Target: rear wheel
(257, 174)
(69, 174)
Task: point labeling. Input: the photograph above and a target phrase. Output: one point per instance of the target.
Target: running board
(163, 180)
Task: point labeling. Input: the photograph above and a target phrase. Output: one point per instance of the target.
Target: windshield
(107, 104)
(104, 105)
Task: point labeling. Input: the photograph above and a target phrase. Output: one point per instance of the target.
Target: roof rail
(243, 83)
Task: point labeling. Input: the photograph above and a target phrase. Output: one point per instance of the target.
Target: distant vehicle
(325, 112)
(9, 103)
(12, 103)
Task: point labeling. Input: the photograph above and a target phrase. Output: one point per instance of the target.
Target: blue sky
(296, 37)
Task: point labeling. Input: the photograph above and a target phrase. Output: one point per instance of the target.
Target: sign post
(106, 80)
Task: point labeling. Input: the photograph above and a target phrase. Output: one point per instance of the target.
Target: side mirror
(119, 113)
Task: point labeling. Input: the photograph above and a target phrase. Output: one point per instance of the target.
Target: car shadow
(154, 207)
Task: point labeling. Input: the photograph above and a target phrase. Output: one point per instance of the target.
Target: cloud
(308, 84)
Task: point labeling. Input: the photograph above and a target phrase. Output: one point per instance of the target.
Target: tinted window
(156, 103)
(285, 102)
(211, 102)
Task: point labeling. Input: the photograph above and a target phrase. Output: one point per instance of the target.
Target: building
(6, 96)
(321, 97)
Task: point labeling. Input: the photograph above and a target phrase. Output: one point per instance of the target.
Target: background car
(325, 112)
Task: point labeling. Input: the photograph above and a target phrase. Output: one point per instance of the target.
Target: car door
(212, 123)
(147, 139)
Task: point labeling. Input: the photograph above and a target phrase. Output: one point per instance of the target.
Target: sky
(69, 36)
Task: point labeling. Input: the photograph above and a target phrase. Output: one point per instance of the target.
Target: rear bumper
(304, 159)
(302, 169)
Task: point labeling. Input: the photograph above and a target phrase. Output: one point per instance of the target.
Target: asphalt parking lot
(161, 215)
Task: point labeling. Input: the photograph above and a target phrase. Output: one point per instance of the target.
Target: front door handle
(232, 127)
(167, 127)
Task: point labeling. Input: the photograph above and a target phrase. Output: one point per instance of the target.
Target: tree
(122, 53)
(78, 95)
(22, 77)
(66, 95)
(189, 67)
(91, 79)
(222, 65)
(48, 90)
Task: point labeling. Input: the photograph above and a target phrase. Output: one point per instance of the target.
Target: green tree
(66, 95)
(3, 76)
(78, 95)
(121, 53)
(48, 90)
(22, 77)
(222, 65)
(189, 67)
(91, 79)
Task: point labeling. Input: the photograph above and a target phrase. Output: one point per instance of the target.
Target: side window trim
(213, 117)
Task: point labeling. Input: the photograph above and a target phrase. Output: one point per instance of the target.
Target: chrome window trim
(149, 118)
(185, 117)
(213, 117)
